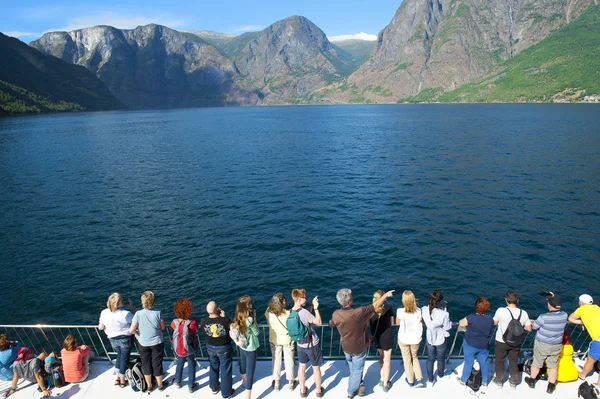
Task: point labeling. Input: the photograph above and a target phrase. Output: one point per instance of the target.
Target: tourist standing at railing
(476, 345)
(185, 342)
(502, 318)
(383, 339)
(352, 325)
(245, 323)
(220, 352)
(588, 315)
(548, 342)
(75, 360)
(309, 349)
(437, 321)
(116, 322)
(410, 334)
(29, 367)
(8, 353)
(280, 342)
(148, 326)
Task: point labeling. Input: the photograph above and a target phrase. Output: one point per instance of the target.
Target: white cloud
(119, 21)
(248, 28)
(358, 36)
(21, 34)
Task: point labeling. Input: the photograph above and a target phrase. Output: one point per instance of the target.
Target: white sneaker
(483, 389)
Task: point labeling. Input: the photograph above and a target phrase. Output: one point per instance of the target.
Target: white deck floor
(100, 385)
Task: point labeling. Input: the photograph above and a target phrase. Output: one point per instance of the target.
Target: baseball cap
(555, 302)
(587, 299)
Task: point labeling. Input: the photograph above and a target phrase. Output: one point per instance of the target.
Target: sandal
(117, 382)
(123, 384)
(304, 394)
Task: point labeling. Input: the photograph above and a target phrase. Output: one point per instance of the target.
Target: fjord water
(218, 202)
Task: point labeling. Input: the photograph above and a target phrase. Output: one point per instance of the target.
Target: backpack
(135, 376)
(237, 337)
(515, 333)
(188, 343)
(587, 391)
(475, 379)
(542, 375)
(297, 330)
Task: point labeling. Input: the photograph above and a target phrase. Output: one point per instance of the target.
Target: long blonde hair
(409, 302)
(113, 301)
(378, 294)
(242, 311)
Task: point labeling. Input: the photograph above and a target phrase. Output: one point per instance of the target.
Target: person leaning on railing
(410, 334)
(383, 339)
(281, 343)
(29, 367)
(588, 315)
(116, 321)
(8, 353)
(437, 321)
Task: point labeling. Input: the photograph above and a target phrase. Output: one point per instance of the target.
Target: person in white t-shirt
(410, 333)
(116, 321)
(503, 350)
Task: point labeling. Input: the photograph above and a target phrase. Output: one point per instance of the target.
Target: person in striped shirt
(548, 342)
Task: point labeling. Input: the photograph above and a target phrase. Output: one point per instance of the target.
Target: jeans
(436, 352)
(122, 345)
(220, 358)
(356, 365)
(191, 363)
(482, 356)
(502, 352)
(248, 366)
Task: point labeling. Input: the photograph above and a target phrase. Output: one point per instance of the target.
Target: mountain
(213, 38)
(438, 45)
(31, 82)
(153, 66)
(359, 50)
(562, 67)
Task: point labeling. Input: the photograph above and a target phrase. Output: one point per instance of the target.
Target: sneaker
(361, 390)
(461, 382)
(303, 394)
(513, 386)
(498, 383)
(387, 387)
(320, 393)
(380, 384)
(551, 388)
(409, 384)
(192, 388)
(275, 385)
(530, 382)
(483, 389)
(292, 385)
(164, 386)
(418, 384)
(177, 385)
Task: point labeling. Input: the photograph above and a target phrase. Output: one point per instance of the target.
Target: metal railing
(49, 338)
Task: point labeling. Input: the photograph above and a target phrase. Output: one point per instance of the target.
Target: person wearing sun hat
(548, 342)
(588, 314)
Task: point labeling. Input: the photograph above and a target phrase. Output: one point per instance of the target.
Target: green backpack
(296, 329)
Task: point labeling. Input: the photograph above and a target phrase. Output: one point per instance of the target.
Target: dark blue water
(216, 203)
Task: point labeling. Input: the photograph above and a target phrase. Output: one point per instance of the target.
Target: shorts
(314, 354)
(594, 352)
(549, 353)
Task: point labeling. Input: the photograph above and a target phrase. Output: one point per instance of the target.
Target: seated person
(8, 354)
(75, 360)
(28, 367)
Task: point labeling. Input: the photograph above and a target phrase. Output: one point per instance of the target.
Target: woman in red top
(185, 342)
(75, 360)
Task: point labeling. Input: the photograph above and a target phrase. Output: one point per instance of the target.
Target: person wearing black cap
(548, 342)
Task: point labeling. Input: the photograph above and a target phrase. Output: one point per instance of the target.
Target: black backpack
(474, 381)
(515, 333)
(587, 391)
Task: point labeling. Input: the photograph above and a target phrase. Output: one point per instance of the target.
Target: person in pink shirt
(75, 360)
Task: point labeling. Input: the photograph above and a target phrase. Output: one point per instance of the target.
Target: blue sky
(29, 19)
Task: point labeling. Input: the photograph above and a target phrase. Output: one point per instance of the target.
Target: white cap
(587, 299)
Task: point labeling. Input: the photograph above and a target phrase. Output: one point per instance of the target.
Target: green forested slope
(563, 67)
(31, 82)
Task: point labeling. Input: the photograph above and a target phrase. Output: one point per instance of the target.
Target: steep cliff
(438, 45)
(153, 66)
(32, 82)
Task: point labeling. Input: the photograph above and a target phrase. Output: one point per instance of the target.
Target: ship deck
(335, 379)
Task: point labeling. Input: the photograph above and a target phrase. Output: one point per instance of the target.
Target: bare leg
(318, 377)
(552, 375)
(380, 359)
(159, 381)
(244, 378)
(387, 363)
(148, 379)
(589, 365)
(534, 372)
(302, 377)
